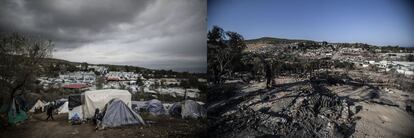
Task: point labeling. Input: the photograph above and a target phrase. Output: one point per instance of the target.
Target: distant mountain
(64, 65)
(272, 40)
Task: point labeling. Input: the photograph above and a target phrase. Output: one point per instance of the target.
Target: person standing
(49, 113)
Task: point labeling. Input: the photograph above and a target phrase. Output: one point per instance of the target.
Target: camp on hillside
(117, 113)
(39, 105)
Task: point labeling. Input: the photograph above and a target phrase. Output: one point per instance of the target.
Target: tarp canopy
(117, 113)
(155, 107)
(15, 113)
(63, 108)
(192, 109)
(99, 98)
(38, 105)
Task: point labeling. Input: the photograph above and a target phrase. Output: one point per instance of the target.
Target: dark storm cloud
(68, 21)
(151, 33)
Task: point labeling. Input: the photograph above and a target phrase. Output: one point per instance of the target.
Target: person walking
(49, 113)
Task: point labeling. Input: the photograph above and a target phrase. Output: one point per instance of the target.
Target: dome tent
(155, 107)
(117, 113)
(175, 109)
(191, 109)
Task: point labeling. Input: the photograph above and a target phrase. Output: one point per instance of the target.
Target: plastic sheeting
(60, 102)
(38, 105)
(167, 106)
(16, 114)
(155, 107)
(99, 98)
(175, 110)
(192, 109)
(63, 108)
(139, 105)
(117, 113)
(74, 100)
(76, 111)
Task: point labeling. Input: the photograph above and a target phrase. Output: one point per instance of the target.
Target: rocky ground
(312, 108)
(37, 127)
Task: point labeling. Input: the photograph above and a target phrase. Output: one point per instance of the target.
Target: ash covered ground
(314, 107)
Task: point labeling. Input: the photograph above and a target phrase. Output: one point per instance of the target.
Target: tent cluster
(185, 109)
(115, 105)
(40, 106)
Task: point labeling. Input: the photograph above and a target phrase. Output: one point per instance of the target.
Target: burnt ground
(162, 126)
(310, 109)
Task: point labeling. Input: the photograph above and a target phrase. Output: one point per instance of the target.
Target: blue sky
(379, 22)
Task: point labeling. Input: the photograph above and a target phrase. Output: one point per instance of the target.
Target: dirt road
(37, 127)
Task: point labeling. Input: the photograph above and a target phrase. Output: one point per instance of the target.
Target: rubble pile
(308, 114)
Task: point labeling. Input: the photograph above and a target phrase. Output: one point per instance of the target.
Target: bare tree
(20, 62)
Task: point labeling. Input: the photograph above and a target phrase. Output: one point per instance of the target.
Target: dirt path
(37, 127)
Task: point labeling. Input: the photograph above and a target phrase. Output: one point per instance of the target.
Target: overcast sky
(159, 34)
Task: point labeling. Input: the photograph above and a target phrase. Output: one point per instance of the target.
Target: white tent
(38, 105)
(99, 98)
(64, 108)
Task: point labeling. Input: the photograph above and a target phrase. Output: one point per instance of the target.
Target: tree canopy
(224, 53)
(20, 62)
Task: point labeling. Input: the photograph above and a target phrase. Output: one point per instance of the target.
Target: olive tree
(224, 53)
(21, 58)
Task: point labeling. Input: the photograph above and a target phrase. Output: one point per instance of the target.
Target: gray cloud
(149, 33)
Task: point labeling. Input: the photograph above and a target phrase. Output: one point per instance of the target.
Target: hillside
(272, 40)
